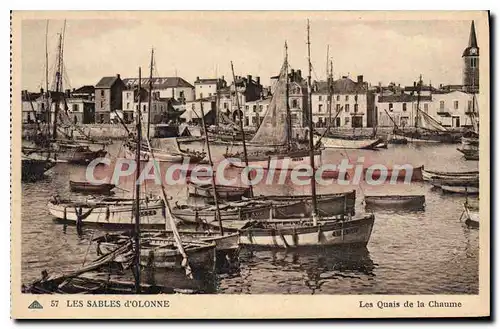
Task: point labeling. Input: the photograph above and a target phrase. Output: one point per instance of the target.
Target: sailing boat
(427, 129)
(470, 140)
(314, 230)
(165, 149)
(273, 139)
(65, 149)
(329, 140)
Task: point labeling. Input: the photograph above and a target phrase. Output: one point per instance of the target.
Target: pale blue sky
(380, 50)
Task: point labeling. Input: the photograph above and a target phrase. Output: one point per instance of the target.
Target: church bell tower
(471, 63)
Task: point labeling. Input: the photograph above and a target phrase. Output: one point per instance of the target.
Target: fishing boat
(426, 129)
(470, 139)
(304, 233)
(34, 169)
(167, 150)
(414, 174)
(91, 188)
(275, 133)
(224, 192)
(470, 153)
(428, 175)
(455, 181)
(459, 189)
(108, 212)
(337, 143)
(395, 201)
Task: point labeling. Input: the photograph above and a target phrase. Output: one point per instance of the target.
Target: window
(469, 105)
(75, 108)
(346, 98)
(295, 103)
(320, 108)
(128, 106)
(347, 120)
(473, 62)
(355, 108)
(102, 92)
(181, 94)
(347, 107)
(338, 97)
(455, 105)
(209, 94)
(355, 98)
(136, 107)
(320, 98)
(255, 108)
(337, 107)
(404, 107)
(261, 107)
(225, 105)
(441, 105)
(144, 108)
(201, 95)
(101, 118)
(246, 107)
(426, 107)
(391, 107)
(192, 106)
(102, 104)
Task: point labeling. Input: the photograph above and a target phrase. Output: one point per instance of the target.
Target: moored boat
(337, 143)
(469, 154)
(471, 216)
(414, 174)
(303, 233)
(460, 189)
(411, 202)
(431, 174)
(91, 188)
(224, 192)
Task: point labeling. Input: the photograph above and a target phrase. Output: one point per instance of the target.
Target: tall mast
(137, 228)
(418, 100)
(58, 84)
(150, 91)
(330, 95)
(288, 116)
(47, 73)
(311, 132)
(245, 154)
(214, 186)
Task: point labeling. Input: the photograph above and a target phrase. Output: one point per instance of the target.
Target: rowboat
(87, 187)
(108, 212)
(207, 214)
(395, 201)
(415, 174)
(224, 192)
(76, 153)
(166, 150)
(303, 233)
(337, 143)
(34, 169)
(274, 160)
(430, 175)
(471, 216)
(469, 154)
(460, 189)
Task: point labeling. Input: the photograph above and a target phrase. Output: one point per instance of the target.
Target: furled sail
(429, 123)
(273, 130)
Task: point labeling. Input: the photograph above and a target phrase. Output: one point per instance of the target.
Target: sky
(201, 45)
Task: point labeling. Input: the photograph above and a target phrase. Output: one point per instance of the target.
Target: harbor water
(424, 252)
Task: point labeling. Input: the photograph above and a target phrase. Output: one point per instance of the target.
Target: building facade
(208, 87)
(352, 104)
(108, 98)
(161, 107)
(168, 87)
(192, 113)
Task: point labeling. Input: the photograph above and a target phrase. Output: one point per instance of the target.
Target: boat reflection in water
(301, 271)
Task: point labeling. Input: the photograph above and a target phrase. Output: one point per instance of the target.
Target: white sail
(428, 122)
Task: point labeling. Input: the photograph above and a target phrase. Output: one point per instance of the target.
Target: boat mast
(311, 132)
(330, 95)
(137, 266)
(210, 162)
(288, 116)
(150, 91)
(418, 100)
(245, 154)
(58, 81)
(47, 67)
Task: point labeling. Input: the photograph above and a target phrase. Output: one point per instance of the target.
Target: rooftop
(159, 83)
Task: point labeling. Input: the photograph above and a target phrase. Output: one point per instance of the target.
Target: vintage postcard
(250, 164)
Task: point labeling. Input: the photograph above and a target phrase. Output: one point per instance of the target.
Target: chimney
(258, 80)
(223, 78)
(118, 75)
(292, 76)
(249, 78)
(41, 90)
(197, 78)
(68, 93)
(360, 79)
(299, 74)
(414, 83)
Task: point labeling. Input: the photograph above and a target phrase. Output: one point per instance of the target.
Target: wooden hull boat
(328, 203)
(471, 216)
(112, 213)
(277, 161)
(469, 154)
(86, 187)
(172, 153)
(34, 169)
(207, 214)
(295, 233)
(414, 175)
(460, 189)
(337, 143)
(471, 141)
(224, 192)
(76, 153)
(428, 136)
(395, 201)
(464, 182)
(431, 175)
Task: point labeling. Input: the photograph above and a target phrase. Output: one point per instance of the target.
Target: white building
(168, 87)
(208, 87)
